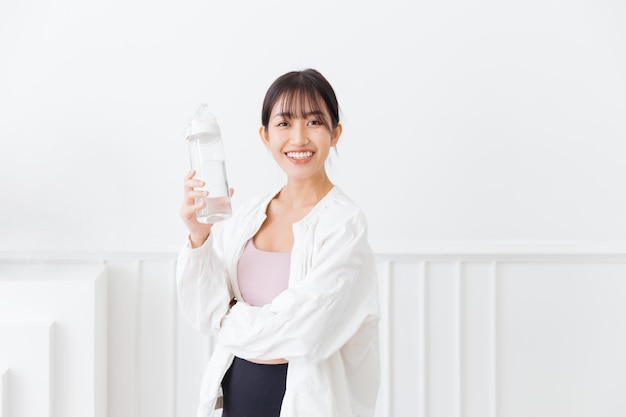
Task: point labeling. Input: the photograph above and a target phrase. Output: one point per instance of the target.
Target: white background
(485, 141)
(482, 122)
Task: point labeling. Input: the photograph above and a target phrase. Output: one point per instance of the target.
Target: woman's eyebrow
(289, 115)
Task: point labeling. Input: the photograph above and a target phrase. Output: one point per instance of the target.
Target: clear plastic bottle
(206, 153)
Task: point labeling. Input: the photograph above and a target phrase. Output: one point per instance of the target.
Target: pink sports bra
(262, 275)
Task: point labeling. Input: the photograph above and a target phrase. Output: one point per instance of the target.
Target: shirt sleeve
(203, 286)
(318, 315)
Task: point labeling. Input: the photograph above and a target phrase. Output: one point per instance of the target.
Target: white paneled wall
(53, 331)
(27, 348)
(155, 358)
(506, 336)
(461, 336)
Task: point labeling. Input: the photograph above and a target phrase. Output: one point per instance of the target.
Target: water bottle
(206, 153)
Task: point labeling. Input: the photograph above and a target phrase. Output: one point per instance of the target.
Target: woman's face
(299, 140)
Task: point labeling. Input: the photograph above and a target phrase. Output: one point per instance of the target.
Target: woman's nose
(299, 135)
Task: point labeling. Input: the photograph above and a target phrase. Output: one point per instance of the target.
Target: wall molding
(395, 248)
(384, 249)
(450, 323)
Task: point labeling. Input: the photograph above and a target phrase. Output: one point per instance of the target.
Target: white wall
(464, 122)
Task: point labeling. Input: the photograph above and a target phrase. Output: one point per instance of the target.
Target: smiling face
(299, 134)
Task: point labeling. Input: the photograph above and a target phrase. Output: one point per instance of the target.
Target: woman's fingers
(190, 186)
(191, 183)
(189, 178)
(188, 211)
(193, 194)
(194, 197)
(194, 201)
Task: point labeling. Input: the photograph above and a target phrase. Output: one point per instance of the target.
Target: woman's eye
(281, 124)
(314, 122)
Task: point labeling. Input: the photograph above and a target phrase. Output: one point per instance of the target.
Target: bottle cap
(203, 121)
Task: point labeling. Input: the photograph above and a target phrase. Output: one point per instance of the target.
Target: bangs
(302, 103)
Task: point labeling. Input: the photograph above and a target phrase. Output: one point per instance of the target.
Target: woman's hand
(198, 232)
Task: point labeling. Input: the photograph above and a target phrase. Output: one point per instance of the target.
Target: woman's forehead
(298, 103)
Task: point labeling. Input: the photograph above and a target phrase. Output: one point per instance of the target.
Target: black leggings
(253, 390)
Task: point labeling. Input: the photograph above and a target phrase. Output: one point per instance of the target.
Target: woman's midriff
(268, 361)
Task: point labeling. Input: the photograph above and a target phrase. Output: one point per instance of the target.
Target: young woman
(287, 285)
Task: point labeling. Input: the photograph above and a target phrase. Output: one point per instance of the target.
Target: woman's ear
(335, 134)
(265, 137)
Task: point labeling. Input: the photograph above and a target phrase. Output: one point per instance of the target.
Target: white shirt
(325, 324)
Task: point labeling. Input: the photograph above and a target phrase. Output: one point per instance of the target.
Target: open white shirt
(325, 323)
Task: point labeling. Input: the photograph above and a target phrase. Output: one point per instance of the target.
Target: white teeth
(299, 155)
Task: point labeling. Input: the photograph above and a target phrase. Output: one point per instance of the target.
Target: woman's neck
(300, 194)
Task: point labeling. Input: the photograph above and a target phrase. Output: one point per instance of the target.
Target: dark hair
(295, 88)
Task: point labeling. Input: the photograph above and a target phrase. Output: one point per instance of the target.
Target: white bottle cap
(203, 121)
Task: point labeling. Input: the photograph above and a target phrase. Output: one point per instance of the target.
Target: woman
(288, 284)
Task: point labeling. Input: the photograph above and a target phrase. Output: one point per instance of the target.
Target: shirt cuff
(200, 251)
